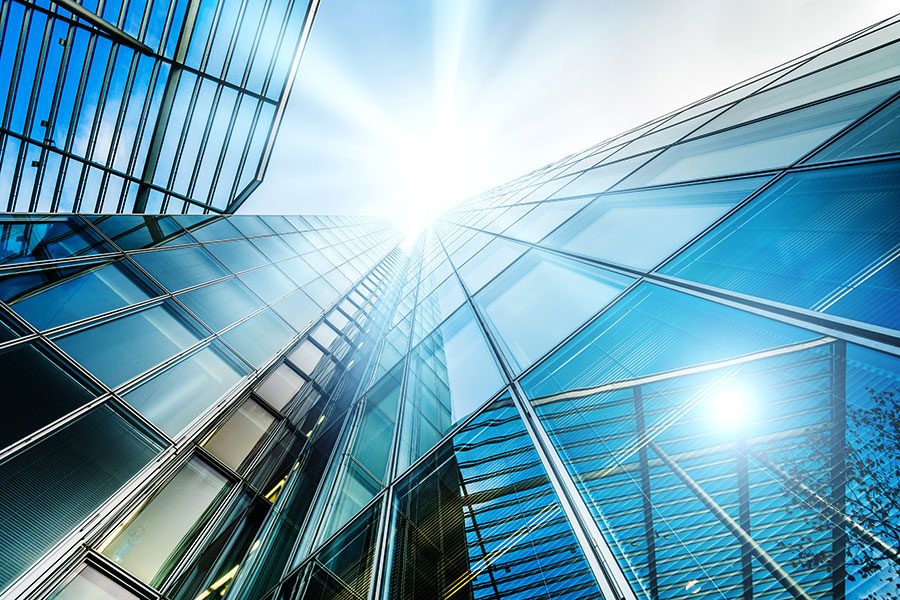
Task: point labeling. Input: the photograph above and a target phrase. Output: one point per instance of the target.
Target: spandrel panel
(531, 292)
(479, 519)
(91, 584)
(776, 246)
(640, 229)
(239, 435)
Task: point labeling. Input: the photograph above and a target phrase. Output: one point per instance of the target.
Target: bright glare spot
(730, 406)
(434, 171)
(692, 586)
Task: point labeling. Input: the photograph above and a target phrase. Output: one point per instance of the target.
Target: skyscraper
(146, 106)
(663, 367)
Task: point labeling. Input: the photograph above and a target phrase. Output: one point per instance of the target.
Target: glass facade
(149, 106)
(665, 367)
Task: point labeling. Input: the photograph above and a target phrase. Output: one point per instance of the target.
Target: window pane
(280, 386)
(306, 356)
(172, 399)
(49, 488)
(26, 238)
(117, 350)
(879, 134)
(180, 268)
(237, 256)
(222, 303)
(768, 144)
(653, 330)
(156, 535)
(37, 389)
(268, 283)
(51, 297)
(236, 438)
(492, 259)
(451, 373)
(599, 179)
(640, 229)
(527, 311)
(133, 232)
(90, 584)
(774, 246)
(479, 518)
(257, 338)
(543, 219)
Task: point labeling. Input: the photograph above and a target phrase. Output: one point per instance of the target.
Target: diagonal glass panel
(540, 299)
(774, 247)
(768, 144)
(879, 134)
(640, 229)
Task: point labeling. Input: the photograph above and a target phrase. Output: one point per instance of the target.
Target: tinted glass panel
(117, 350)
(157, 533)
(825, 240)
(51, 297)
(257, 338)
(133, 232)
(879, 134)
(90, 584)
(29, 238)
(83, 464)
(180, 268)
(528, 310)
(639, 229)
(222, 303)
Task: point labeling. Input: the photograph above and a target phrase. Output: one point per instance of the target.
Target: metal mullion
(32, 106)
(270, 70)
(17, 78)
(195, 171)
(182, 138)
(224, 150)
(606, 570)
(236, 182)
(235, 33)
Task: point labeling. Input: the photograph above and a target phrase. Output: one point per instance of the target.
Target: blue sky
(402, 108)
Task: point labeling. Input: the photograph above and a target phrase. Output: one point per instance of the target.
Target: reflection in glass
(149, 542)
(479, 519)
(117, 350)
(55, 296)
(180, 268)
(175, 397)
(827, 240)
(766, 472)
(27, 238)
(91, 584)
(879, 134)
(451, 374)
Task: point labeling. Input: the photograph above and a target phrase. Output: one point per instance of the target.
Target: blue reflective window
(451, 373)
(600, 178)
(172, 399)
(208, 229)
(83, 464)
(825, 240)
(222, 303)
(489, 261)
(257, 338)
(544, 218)
(640, 229)
(117, 350)
(250, 225)
(180, 268)
(879, 134)
(238, 255)
(541, 298)
(133, 232)
(274, 248)
(55, 296)
(652, 330)
(25, 238)
(269, 283)
(767, 144)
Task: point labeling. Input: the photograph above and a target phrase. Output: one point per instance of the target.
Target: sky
(403, 108)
